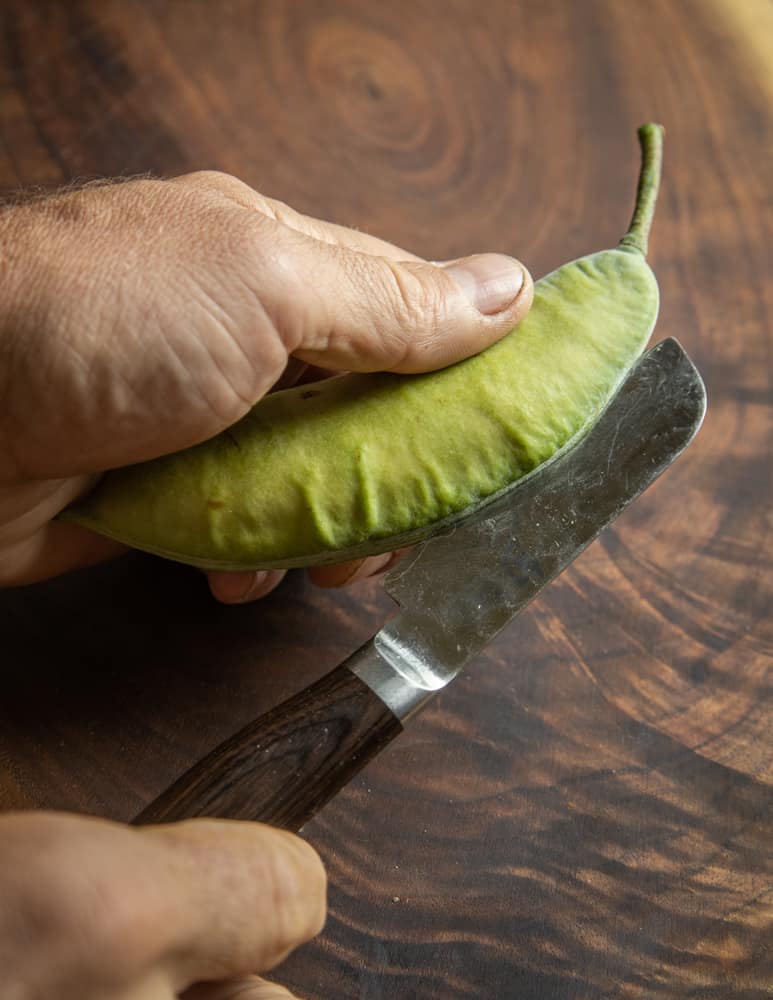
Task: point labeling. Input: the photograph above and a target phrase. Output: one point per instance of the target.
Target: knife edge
(283, 767)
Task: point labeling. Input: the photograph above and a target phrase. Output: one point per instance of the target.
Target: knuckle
(417, 302)
(286, 270)
(249, 240)
(281, 212)
(216, 181)
(208, 177)
(416, 309)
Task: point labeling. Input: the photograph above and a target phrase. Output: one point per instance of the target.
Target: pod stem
(651, 142)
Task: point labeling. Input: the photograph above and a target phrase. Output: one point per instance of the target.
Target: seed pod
(361, 464)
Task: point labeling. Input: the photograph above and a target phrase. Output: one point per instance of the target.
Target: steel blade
(459, 589)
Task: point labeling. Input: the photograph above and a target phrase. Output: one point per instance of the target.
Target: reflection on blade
(459, 589)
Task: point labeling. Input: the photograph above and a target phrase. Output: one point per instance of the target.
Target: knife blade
(456, 592)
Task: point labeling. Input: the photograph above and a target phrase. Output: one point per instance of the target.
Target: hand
(91, 910)
(140, 318)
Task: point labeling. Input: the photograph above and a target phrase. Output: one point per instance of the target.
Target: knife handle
(283, 767)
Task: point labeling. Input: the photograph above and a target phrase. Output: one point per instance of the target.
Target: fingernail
(259, 584)
(489, 280)
(370, 566)
(349, 572)
(233, 588)
(342, 574)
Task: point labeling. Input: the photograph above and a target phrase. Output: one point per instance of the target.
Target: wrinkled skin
(138, 319)
(141, 318)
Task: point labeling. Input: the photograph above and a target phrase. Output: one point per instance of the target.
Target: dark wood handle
(282, 768)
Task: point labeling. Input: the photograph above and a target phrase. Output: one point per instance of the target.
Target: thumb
(361, 312)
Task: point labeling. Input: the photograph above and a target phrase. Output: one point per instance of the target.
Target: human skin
(140, 318)
(137, 319)
(92, 910)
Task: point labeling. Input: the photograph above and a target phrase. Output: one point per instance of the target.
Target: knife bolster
(402, 694)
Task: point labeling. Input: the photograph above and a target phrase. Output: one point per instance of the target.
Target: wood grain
(588, 813)
(285, 766)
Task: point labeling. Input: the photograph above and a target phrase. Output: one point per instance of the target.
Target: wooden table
(588, 812)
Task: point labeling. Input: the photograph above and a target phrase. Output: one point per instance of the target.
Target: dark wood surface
(588, 812)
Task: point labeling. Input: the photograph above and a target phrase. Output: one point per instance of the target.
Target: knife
(456, 591)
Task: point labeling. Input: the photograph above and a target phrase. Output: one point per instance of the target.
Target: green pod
(361, 464)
